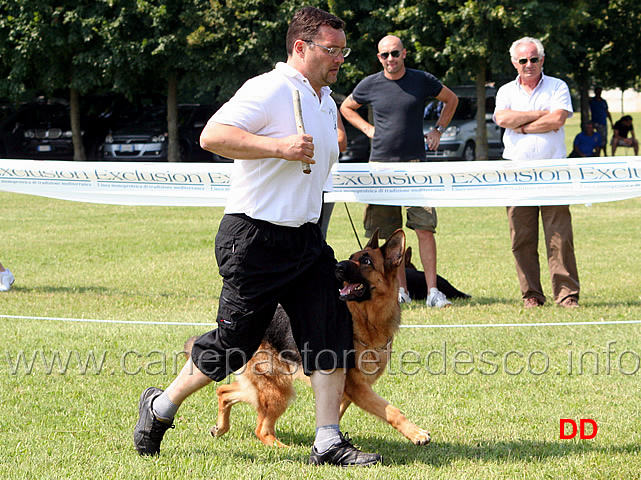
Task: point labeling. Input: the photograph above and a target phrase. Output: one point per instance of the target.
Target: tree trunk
(481, 125)
(584, 95)
(173, 147)
(622, 102)
(76, 130)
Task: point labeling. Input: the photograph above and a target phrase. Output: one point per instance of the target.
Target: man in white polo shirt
(533, 110)
(269, 247)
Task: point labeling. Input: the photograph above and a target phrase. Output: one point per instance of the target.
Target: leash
(353, 227)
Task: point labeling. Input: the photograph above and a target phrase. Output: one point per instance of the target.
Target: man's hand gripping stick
(300, 126)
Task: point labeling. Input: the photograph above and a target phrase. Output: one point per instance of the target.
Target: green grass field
(491, 397)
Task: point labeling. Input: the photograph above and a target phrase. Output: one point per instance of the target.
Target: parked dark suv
(191, 121)
(37, 130)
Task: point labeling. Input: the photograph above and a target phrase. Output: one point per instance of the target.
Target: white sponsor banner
(447, 184)
(120, 183)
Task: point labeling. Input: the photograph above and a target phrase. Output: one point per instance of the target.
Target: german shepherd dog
(417, 285)
(370, 288)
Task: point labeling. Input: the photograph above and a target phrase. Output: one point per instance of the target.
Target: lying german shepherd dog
(370, 289)
(417, 285)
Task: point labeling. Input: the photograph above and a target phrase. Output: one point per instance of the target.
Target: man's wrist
(440, 129)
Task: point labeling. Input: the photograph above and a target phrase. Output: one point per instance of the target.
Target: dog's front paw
(422, 437)
(217, 432)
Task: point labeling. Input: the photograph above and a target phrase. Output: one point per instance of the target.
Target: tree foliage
(480, 32)
(205, 49)
(50, 46)
(616, 62)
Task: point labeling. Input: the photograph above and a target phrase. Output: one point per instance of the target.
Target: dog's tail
(189, 344)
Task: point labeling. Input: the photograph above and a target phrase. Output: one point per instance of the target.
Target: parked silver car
(146, 139)
(458, 142)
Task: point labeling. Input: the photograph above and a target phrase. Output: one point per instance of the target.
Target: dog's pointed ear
(394, 249)
(408, 256)
(373, 242)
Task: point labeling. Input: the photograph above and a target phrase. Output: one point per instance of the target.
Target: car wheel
(469, 152)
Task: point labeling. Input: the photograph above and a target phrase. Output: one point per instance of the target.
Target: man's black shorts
(262, 265)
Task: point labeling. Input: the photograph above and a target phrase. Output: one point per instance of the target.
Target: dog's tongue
(348, 289)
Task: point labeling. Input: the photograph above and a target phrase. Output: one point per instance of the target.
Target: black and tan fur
(417, 286)
(370, 288)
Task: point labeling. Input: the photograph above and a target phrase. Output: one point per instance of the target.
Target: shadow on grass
(457, 303)
(443, 454)
(104, 291)
(46, 290)
(517, 302)
(440, 454)
(474, 301)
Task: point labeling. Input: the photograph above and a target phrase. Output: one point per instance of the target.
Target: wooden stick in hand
(300, 126)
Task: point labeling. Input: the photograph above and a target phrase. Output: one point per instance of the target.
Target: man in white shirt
(533, 110)
(269, 246)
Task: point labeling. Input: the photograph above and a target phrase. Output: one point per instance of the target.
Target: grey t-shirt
(398, 107)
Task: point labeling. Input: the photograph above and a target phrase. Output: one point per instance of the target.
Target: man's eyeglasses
(393, 53)
(523, 61)
(332, 51)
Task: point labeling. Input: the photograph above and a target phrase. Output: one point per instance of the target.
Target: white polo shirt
(550, 94)
(273, 189)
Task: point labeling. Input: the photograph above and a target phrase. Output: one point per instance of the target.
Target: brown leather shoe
(531, 302)
(570, 302)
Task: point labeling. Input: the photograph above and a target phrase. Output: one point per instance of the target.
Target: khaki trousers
(559, 243)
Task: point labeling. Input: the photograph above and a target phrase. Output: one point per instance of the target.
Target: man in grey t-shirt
(398, 96)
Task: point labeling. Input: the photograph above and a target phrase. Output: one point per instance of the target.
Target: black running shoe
(149, 430)
(344, 454)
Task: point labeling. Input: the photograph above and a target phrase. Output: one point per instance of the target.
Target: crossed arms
(533, 121)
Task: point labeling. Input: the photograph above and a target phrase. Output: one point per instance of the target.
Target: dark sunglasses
(523, 61)
(393, 53)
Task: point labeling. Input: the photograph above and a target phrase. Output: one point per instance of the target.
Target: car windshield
(44, 116)
(153, 116)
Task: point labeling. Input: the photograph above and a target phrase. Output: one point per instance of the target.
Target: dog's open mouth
(352, 291)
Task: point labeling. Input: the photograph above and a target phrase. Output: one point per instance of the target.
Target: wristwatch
(440, 129)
